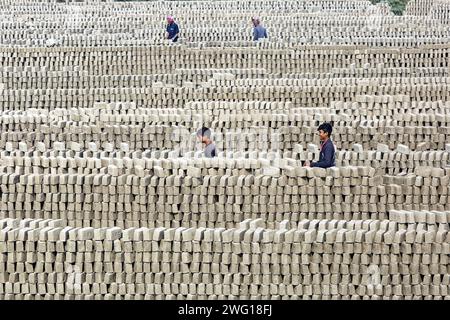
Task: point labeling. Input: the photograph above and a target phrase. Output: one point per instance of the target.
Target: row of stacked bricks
(382, 159)
(306, 22)
(129, 192)
(405, 257)
(263, 126)
(42, 65)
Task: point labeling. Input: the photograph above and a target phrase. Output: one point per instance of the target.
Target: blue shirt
(172, 29)
(210, 151)
(327, 157)
(259, 32)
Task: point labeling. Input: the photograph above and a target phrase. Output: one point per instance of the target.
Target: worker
(204, 135)
(258, 30)
(327, 156)
(172, 30)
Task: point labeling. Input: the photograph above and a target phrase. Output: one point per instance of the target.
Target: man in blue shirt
(258, 30)
(327, 157)
(172, 29)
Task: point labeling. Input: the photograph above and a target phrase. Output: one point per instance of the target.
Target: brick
(113, 233)
(86, 233)
(92, 146)
(384, 148)
(358, 148)
(40, 146)
(60, 146)
(403, 149)
(194, 172)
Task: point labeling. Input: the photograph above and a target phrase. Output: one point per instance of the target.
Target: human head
(170, 19)
(325, 130)
(204, 135)
(255, 21)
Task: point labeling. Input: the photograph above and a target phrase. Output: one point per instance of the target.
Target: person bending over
(259, 31)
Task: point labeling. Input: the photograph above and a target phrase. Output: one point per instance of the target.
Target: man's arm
(328, 155)
(255, 34)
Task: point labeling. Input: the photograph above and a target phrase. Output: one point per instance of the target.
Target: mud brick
(113, 233)
(40, 146)
(358, 148)
(113, 170)
(437, 172)
(194, 172)
(86, 233)
(92, 146)
(319, 172)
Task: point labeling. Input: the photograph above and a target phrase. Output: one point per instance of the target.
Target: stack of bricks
(188, 61)
(438, 10)
(301, 95)
(309, 22)
(238, 126)
(441, 11)
(405, 257)
(154, 60)
(424, 190)
(42, 78)
(100, 191)
(383, 159)
(419, 7)
(335, 61)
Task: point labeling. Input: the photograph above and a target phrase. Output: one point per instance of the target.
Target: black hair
(326, 127)
(204, 132)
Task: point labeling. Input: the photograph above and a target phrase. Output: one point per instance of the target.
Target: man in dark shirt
(172, 29)
(327, 157)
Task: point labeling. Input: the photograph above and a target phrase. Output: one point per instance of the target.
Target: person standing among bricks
(258, 30)
(172, 29)
(327, 156)
(204, 135)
